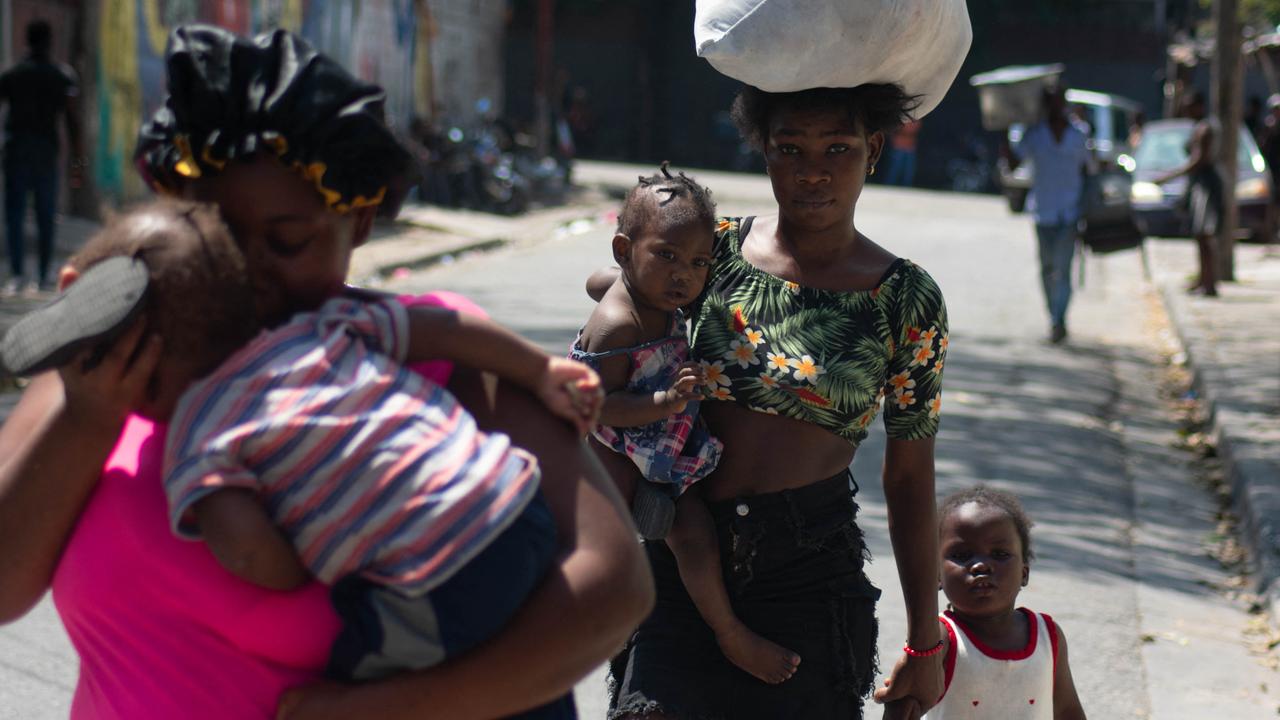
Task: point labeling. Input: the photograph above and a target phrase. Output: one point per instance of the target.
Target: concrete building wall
(60, 14)
(425, 53)
(466, 50)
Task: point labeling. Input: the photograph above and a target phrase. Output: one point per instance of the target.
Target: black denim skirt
(793, 565)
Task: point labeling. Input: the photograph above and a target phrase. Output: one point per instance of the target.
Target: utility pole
(6, 33)
(542, 89)
(1228, 88)
(83, 199)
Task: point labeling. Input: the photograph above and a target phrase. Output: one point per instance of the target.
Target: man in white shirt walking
(1061, 156)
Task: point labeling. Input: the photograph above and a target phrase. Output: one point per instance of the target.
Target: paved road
(1077, 431)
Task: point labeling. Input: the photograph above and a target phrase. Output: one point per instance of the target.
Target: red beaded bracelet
(906, 648)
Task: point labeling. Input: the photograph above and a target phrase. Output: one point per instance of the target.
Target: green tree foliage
(1263, 15)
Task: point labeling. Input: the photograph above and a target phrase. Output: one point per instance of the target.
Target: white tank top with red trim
(982, 682)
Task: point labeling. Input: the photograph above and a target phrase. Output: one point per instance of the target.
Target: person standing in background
(1253, 117)
(1135, 130)
(1202, 200)
(1269, 143)
(1061, 155)
(902, 157)
(37, 90)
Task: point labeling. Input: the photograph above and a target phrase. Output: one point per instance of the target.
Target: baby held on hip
(636, 339)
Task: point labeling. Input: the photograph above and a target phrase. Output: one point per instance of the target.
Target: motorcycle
(501, 187)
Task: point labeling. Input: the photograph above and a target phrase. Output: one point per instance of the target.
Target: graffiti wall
(383, 41)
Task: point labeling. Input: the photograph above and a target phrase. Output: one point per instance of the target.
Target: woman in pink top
(295, 153)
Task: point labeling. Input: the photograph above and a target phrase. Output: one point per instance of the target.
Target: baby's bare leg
(693, 542)
(619, 468)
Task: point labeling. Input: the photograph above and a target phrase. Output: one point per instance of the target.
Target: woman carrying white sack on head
(835, 324)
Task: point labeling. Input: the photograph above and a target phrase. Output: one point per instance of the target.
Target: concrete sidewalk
(1233, 348)
(422, 235)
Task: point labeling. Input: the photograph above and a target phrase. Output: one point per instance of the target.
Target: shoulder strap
(894, 267)
(725, 228)
(739, 227)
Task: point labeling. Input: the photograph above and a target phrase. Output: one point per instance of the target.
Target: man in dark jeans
(37, 90)
(1062, 158)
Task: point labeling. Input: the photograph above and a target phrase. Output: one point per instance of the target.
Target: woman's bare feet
(766, 660)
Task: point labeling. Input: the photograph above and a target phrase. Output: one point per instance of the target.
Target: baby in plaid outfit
(650, 436)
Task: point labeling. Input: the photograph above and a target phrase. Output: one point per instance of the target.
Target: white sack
(788, 45)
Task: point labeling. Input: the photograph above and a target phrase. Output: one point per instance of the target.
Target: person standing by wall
(902, 158)
(1058, 149)
(37, 90)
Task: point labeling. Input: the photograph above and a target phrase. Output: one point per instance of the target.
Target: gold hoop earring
(871, 171)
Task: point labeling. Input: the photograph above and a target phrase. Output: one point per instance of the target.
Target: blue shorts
(385, 632)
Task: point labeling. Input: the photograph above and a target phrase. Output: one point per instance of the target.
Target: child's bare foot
(766, 660)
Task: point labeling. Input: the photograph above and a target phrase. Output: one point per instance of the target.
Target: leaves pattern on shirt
(825, 357)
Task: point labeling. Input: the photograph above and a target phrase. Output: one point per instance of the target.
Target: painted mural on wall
(383, 41)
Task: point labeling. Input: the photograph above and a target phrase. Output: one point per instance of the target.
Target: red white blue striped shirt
(367, 466)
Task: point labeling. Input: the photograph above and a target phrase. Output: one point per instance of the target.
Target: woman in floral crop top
(825, 357)
(805, 330)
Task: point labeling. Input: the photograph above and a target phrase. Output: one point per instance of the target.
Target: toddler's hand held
(905, 709)
(915, 679)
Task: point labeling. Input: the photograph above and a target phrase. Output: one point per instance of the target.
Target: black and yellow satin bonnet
(232, 97)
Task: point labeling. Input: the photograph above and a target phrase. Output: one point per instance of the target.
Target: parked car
(1106, 120)
(1163, 148)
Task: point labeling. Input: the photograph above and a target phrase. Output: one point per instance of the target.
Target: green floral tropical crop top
(822, 356)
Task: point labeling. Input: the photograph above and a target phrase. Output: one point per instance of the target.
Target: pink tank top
(162, 630)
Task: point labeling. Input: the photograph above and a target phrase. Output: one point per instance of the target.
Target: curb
(385, 258)
(424, 236)
(435, 257)
(1254, 480)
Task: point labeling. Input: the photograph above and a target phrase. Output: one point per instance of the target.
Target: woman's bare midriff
(767, 453)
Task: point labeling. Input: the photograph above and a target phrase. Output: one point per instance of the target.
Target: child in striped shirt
(310, 450)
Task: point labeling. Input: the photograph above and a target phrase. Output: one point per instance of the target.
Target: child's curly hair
(1005, 502)
(199, 298)
(680, 199)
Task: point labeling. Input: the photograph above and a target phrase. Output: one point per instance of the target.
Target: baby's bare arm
(568, 388)
(242, 537)
(437, 333)
(623, 408)
(614, 326)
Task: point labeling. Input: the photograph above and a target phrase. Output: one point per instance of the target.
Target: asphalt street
(1078, 431)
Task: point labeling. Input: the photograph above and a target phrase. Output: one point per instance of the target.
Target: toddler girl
(636, 340)
(1001, 662)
